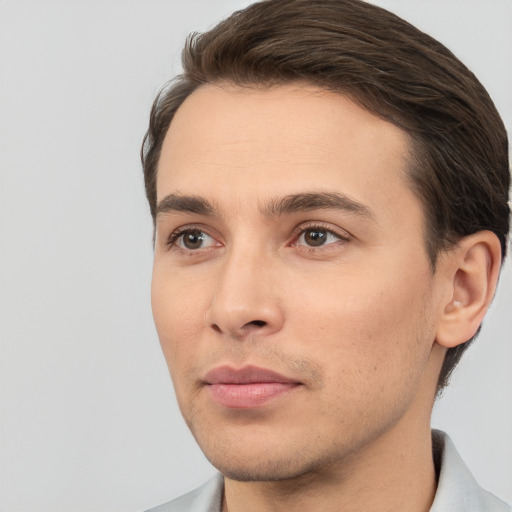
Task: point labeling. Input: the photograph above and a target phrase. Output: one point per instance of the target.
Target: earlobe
(473, 268)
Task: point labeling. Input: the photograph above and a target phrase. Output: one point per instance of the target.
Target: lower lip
(248, 396)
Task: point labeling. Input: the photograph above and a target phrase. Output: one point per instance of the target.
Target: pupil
(315, 237)
(193, 239)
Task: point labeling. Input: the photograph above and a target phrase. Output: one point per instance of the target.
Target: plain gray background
(87, 413)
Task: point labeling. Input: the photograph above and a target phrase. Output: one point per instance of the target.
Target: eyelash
(176, 234)
(295, 235)
(343, 236)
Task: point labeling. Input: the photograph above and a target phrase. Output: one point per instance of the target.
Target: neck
(396, 475)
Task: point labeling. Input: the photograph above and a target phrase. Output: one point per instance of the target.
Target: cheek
(178, 312)
(373, 356)
(367, 327)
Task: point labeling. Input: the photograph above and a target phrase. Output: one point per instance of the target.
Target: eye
(191, 240)
(317, 237)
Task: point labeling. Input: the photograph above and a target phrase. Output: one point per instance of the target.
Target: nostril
(257, 323)
(216, 328)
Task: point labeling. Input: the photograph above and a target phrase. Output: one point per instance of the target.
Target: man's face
(292, 292)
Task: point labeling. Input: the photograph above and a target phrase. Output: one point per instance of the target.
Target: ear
(472, 269)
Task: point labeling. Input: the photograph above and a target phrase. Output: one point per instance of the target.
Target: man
(329, 188)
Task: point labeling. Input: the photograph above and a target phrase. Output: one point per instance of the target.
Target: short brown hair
(459, 160)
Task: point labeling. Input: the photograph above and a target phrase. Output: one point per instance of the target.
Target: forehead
(253, 143)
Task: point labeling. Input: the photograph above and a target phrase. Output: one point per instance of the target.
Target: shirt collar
(457, 490)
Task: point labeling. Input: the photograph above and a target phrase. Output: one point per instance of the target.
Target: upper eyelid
(183, 229)
(170, 237)
(190, 227)
(172, 242)
(336, 230)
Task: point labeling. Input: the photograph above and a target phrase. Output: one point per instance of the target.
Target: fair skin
(288, 239)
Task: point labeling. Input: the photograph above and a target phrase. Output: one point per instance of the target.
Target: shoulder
(457, 490)
(207, 498)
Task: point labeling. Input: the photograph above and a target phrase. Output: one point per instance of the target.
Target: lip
(248, 387)
(246, 375)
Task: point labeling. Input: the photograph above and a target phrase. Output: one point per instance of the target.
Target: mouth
(248, 387)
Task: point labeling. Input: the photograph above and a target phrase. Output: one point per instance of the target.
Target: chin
(267, 466)
(263, 471)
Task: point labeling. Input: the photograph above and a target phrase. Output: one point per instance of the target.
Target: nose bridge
(245, 297)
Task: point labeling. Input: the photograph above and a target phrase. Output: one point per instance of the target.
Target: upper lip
(245, 375)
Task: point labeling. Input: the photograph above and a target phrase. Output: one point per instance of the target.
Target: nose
(246, 301)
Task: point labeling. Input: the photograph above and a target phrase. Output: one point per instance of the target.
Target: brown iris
(193, 239)
(315, 237)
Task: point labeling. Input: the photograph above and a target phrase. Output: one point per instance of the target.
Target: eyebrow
(293, 203)
(317, 201)
(186, 204)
